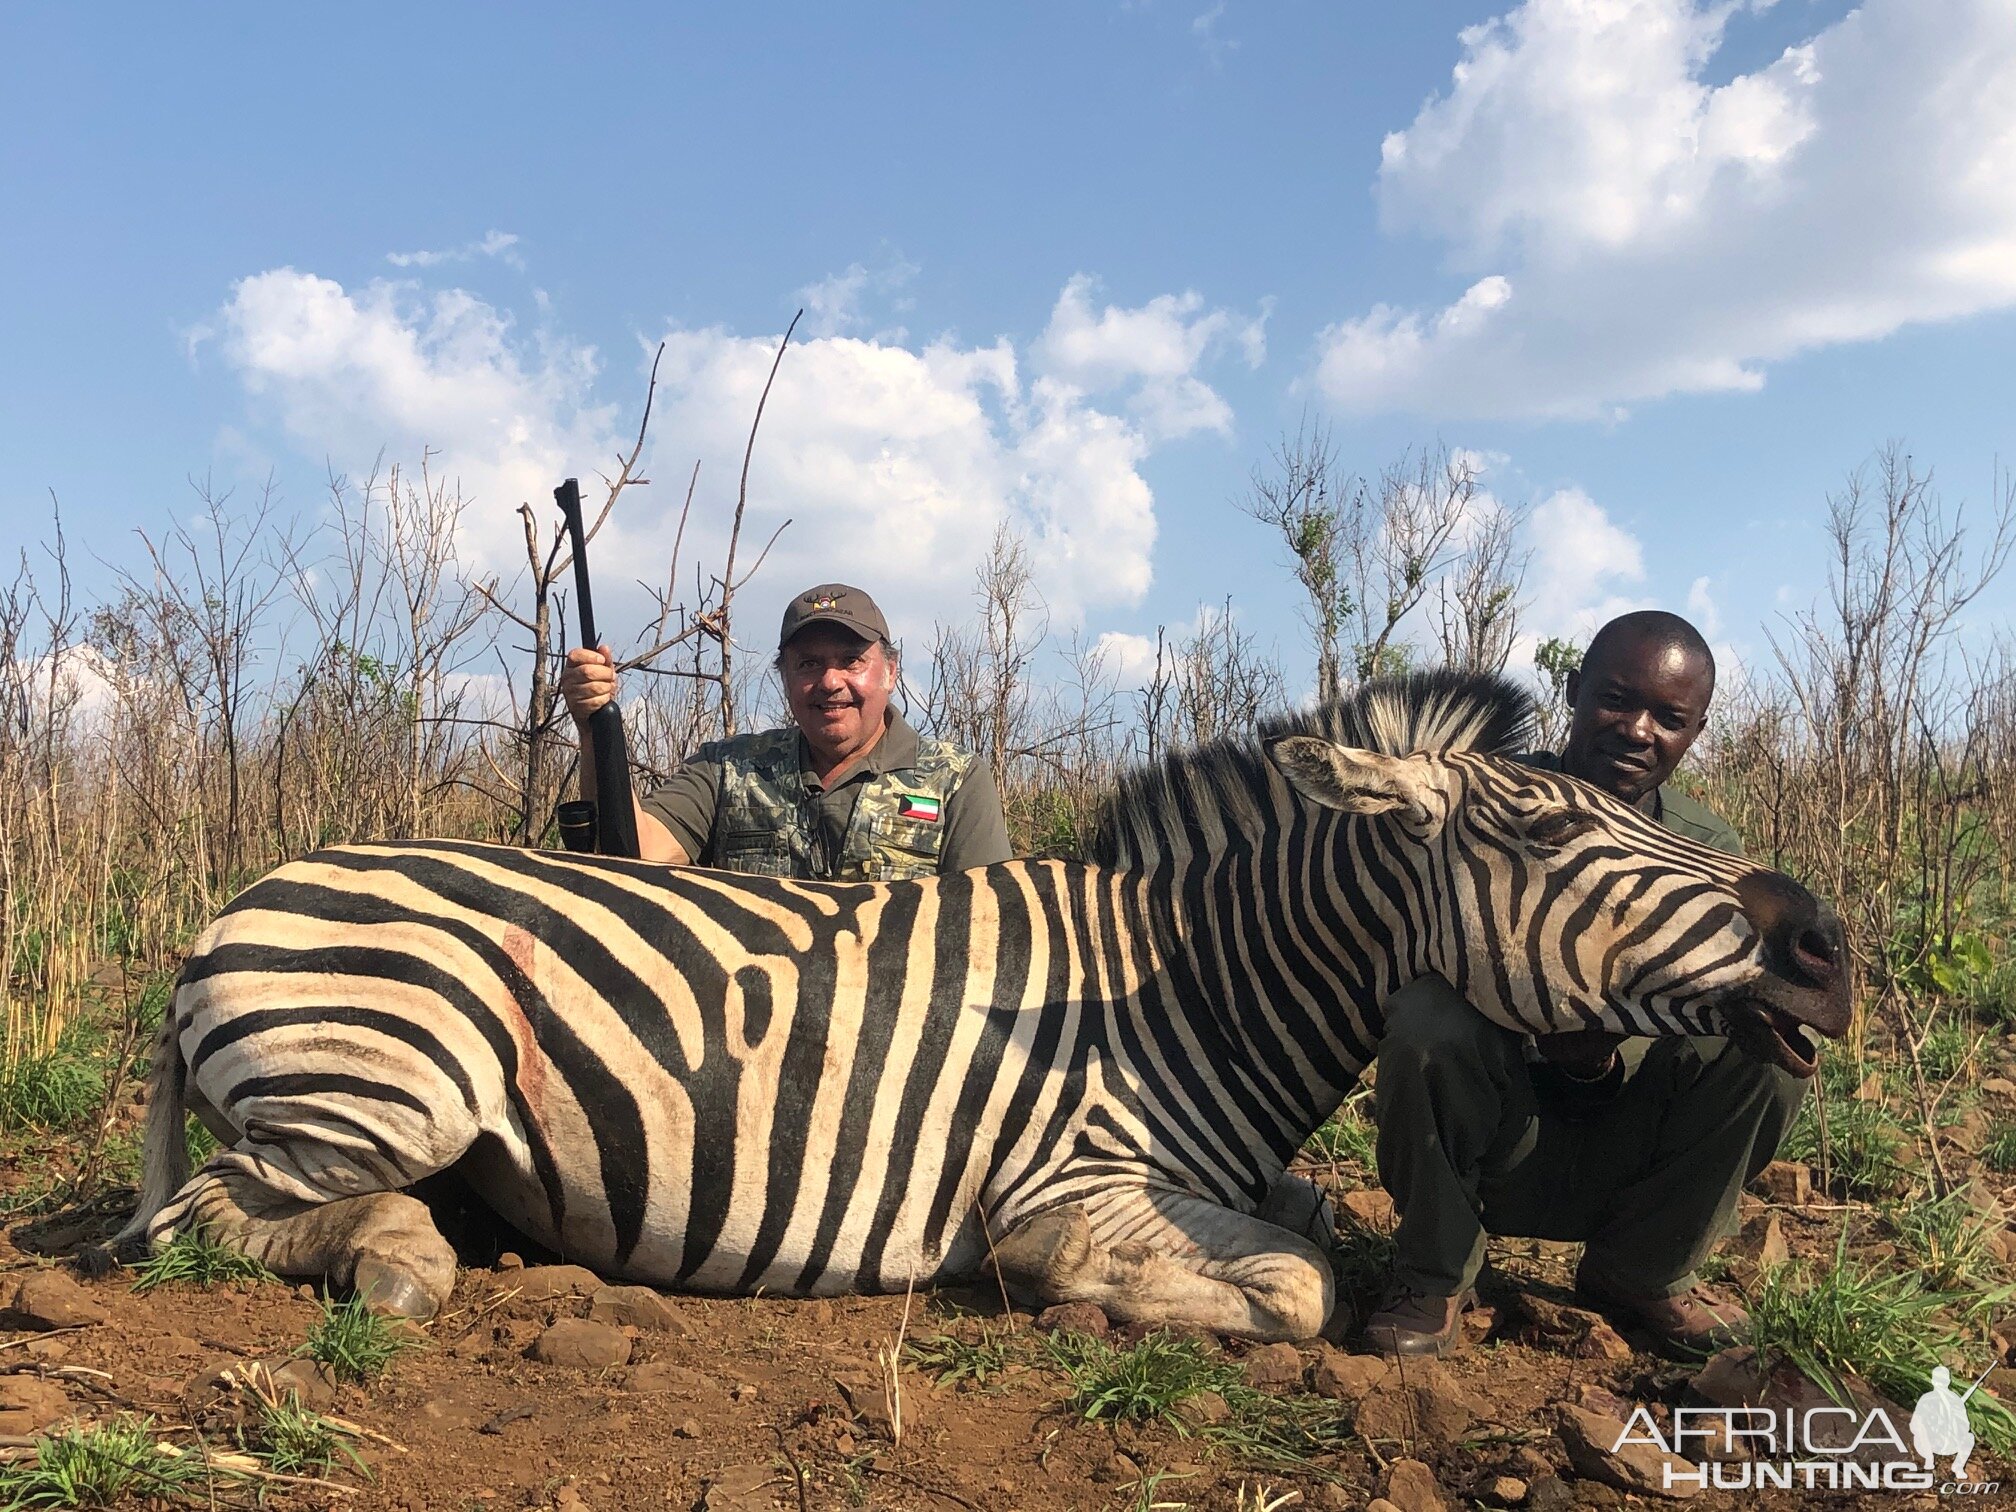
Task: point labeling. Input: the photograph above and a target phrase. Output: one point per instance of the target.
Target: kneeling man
(1637, 1147)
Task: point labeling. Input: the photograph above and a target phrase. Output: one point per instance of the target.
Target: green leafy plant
(1954, 968)
(354, 1342)
(1886, 1325)
(193, 1258)
(60, 1090)
(99, 1467)
(1348, 1135)
(295, 1441)
(1998, 1151)
(949, 1358)
(1139, 1385)
(1947, 1238)
(1866, 1144)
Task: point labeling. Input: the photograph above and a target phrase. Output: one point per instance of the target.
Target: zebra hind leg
(1170, 1258)
(383, 1245)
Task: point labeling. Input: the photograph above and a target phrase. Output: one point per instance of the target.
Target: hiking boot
(1698, 1321)
(1414, 1323)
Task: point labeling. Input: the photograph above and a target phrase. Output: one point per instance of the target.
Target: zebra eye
(1559, 826)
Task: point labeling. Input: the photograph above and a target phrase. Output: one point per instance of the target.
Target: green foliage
(1555, 658)
(1944, 1051)
(1144, 1384)
(1348, 1135)
(1887, 1326)
(99, 1467)
(56, 1092)
(1998, 1151)
(295, 1441)
(192, 1258)
(1947, 1238)
(1865, 1141)
(354, 1342)
(949, 1358)
(198, 1141)
(1956, 968)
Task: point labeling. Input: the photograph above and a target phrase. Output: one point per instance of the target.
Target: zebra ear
(1353, 781)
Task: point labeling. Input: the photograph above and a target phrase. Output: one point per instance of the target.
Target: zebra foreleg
(1170, 1258)
(383, 1245)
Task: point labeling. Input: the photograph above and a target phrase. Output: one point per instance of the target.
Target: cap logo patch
(917, 806)
(823, 601)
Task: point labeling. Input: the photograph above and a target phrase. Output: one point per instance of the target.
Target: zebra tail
(165, 1151)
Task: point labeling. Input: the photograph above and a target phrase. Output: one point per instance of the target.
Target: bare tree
(1319, 517)
(1477, 601)
(1368, 557)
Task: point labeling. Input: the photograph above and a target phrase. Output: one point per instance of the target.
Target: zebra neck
(1285, 1018)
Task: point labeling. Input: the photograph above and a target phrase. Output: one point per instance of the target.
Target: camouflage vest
(767, 821)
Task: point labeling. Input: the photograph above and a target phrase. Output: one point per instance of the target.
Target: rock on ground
(1592, 1442)
(1411, 1486)
(49, 1299)
(29, 1404)
(1074, 1317)
(634, 1307)
(1346, 1377)
(582, 1345)
(1787, 1183)
(1274, 1367)
(1417, 1404)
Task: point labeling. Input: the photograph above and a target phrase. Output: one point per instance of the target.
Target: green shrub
(59, 1091)
(100, 1467)
(1866, 1143)
(1143, 1384)
(192, 1258)
(1998, 1151)
(354, 1342)
(1947, 1238)
(1348, 1135)
(295, 1441)
(1885, 1325)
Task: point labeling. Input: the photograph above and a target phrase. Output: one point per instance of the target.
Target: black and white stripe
(731, 1083)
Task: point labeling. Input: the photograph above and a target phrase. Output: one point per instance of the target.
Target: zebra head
(1554, 907)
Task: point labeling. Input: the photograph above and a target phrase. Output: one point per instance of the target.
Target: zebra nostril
(1816, 955)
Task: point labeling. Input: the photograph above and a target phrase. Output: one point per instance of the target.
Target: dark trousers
(1649, 1182)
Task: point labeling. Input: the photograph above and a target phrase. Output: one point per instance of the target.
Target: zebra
(1085, 1076)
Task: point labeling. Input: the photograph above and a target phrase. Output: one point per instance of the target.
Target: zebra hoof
(392, 1292)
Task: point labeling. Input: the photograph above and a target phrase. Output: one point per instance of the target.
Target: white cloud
(498, 244)
(351, 373)
(834, 304)
(1584, 566)
(1631, 231)
(1127, 658)
(894, 463)
(1204, 30)
(1151, 352)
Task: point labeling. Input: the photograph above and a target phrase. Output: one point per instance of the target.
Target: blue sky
(1669, 268)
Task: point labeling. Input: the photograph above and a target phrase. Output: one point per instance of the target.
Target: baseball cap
(833, 603)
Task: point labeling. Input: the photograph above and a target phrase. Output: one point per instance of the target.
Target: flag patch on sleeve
(917, 806)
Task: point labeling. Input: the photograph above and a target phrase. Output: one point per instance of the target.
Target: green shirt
(975, 834)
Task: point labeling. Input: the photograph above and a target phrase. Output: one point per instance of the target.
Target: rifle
(609, 824)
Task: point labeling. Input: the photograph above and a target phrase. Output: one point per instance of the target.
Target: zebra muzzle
(1770, 1034)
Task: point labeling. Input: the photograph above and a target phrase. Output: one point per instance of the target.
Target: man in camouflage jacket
(848, 793)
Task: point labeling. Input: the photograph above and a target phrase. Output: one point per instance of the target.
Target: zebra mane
(1203, 799)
